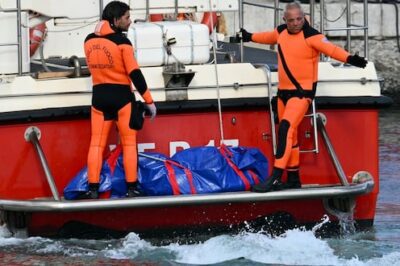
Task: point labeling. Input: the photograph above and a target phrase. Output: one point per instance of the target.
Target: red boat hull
(353, 133)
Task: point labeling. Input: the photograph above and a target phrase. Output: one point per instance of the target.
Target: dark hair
(114, 10)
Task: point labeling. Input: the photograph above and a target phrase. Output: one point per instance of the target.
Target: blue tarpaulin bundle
(112, 179)
(224, 169)
(192, 171)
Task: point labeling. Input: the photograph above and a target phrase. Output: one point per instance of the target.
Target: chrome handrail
(267, 72)
(331, 151)
(313, 116)
(19, 34)
(318, 192)
(349, 25)
(101, 6)
(32, 135)
(241, 22)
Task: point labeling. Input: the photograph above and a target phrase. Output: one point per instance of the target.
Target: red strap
(224, 152)
(190, 179)
(113, 157)
(254, 176)
(188, 174)
(172, 178)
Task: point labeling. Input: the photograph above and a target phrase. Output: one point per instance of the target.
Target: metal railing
(331, 151)
(17, 10)
(32, 134)
(267, 73)
(349, 25)
(313, 115)
(101, 6)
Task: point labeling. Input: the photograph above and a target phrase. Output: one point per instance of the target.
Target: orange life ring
(36, 36)
(156, 17)
(209, 18)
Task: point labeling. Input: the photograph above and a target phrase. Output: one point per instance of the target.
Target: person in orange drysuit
(299, 47)
(110, 59)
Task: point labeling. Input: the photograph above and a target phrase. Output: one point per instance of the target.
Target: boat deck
(226, 53)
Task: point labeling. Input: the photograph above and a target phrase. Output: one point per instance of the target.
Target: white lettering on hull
(175, 146)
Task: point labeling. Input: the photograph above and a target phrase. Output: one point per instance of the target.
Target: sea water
(379, 246)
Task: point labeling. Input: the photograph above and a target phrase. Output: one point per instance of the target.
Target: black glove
(357, 61)
(246, 36)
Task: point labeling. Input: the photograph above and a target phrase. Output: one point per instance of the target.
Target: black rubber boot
(92, 193)
(273, 183)
(293, 180)
(133, 190)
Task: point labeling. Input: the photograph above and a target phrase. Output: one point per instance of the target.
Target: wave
(295, 247)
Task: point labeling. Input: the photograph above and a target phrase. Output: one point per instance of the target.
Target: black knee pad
(282, 136)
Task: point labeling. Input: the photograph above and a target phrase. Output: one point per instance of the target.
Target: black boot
(293, 180)
(92, 193)
(133, 190)
(273, 183)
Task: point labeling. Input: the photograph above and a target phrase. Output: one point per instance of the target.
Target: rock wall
(386, 56)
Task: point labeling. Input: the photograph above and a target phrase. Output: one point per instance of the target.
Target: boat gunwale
(312, 192)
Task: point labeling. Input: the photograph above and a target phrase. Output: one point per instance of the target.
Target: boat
(45, 128)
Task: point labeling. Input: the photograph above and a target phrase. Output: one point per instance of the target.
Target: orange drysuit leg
(290, 116)
(100, 130)
(128, 140)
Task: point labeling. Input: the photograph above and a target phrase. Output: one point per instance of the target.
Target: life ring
(156, 17)
(36, 36)
(209, 18)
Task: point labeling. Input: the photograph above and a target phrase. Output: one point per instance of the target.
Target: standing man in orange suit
(111, 61)
(299, 48)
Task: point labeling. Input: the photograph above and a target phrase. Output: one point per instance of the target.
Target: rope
(336, 19)
(214, 39)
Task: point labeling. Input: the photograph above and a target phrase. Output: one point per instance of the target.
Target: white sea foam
(295, 247)
(52, 247)
(15, 241)
(4, 232)
(391, 259)
(131, 246)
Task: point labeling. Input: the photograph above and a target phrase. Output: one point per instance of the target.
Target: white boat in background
(45, 101)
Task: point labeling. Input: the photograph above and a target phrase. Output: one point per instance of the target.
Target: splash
(324, 220)
(4, 232)
(343, 209)
(131, 246)
(294, 247)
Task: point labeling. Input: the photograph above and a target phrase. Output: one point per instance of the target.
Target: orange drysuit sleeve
(268, 37)
(135, 73)
(320, 43)
(129, 60)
